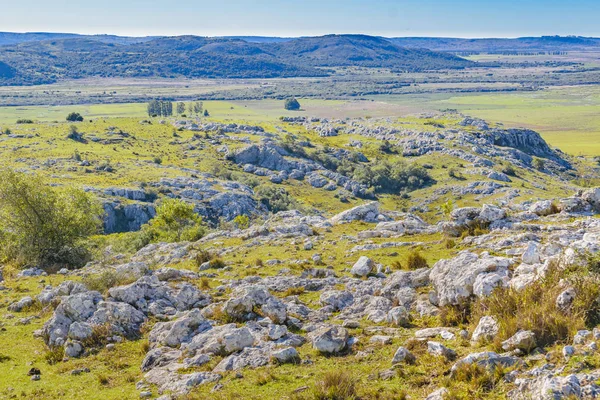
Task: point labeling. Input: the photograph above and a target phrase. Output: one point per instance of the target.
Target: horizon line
(303, 36)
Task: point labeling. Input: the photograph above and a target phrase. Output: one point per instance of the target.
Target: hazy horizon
(406, 18)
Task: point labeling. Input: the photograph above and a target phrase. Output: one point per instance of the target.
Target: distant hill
(524, 44)
(366, 51)
(36, 62)
(10, 38)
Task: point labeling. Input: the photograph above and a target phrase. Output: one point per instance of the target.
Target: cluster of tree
(276, 199)
(42, 225)
(160, 108)
(74, 117)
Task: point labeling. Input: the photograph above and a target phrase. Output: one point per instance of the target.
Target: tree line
(161, 108)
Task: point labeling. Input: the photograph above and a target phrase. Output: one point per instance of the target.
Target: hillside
(195, 57)
(439, 256)
(491, 45)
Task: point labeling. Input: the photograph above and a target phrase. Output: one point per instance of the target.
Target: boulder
(403, 355)
(329, 339)
(362, 267)
(486, 330)
(522, 340)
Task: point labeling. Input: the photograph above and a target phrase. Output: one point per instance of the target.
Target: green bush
(275, 198)
(538, 164)
(242, 221)
(415, 260)
(44, 225)
(74, 117)
(292, 104)
(175, 221)
(392, 178)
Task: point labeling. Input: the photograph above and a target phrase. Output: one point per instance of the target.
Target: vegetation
(275, 199)
(159, 108)
(292, 104)
(175, 221)
(74, 117)
(386, 177)
(534, 307)
(44, 225)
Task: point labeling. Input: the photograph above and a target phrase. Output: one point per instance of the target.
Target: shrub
(216, 263)
(74, 117)
(415, 260)
(456, 174)
(275, 198)
(175, 221)
(157, 160)
(538, 164)
(202, 256)
(392, 178)
(45, 225)
(105, 280)
(335, 385)
(74, 134)
(54, 355)
(509, 170)
(242, 221)
(291, 104)
(534, 307)
(24, 121)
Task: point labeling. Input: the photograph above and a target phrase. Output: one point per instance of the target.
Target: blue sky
(451, 18)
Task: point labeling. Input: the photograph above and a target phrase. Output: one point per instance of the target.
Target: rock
(454, 279)
(380, 340)
(522, 340)
(286, 355)
(581, 337)
(275, 310)
(330, 339)
(543, 208)
(80, 331)
(73, 349)
(366, 212)
(488, 360)
(568, 352)
(337, 299)
(490, 213)
(565, 299)
(439, 394)
(362, 267)
(20, 305)
(531, 254)
(237, 340)
(486, 330)
(398, 316)
(403, 355)
(438, 349)
(499, 176)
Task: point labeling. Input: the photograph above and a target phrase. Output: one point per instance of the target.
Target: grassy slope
(114, 374)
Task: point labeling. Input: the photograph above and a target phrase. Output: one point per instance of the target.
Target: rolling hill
(199, 57)
(491, 45)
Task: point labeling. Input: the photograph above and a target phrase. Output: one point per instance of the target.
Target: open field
(567, 117)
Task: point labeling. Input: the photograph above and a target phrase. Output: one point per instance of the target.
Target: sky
(445, 18)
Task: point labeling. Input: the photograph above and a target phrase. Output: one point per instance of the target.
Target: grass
(565, 116)
(534, 307)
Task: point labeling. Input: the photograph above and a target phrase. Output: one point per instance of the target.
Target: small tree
(74, 117)
(206, 114)
(242, 221)
(180, 108)
(44, 225)
(175, 221)
(292, 104)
